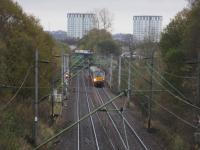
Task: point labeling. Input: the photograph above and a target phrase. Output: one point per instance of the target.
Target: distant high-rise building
(79, 24)
(147, 27)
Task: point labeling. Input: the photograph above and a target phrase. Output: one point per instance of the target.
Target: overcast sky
(53, 13)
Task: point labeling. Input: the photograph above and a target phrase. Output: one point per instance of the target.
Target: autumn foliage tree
(99, 41)
(180, 47)
(20, 36)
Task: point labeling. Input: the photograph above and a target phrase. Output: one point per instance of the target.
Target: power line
(16, 93)
(190, 62)
(175, 96)
(16, 87)
(163, 79)
(167, 81)
(178, 76)
(43, 98)
(173, 114)
(176, 116)
(164, 108)
(74, 64)
(146, 91)
(171, 85)
(80, 120)
(140, 74)
(75, 74)
(179, 118)
(171, 93)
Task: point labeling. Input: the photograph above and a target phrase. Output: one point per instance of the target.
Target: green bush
(178, 143)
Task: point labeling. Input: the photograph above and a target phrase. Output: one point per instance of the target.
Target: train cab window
(99, 73)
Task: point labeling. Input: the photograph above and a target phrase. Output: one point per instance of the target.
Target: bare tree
(193, 2)
(103, 19)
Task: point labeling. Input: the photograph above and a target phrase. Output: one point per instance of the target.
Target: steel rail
(129, 125)
(125, 133)
(103, 127)
(81, 119)
(124, 127)
(110, 141)
(78, 96)
(101, 124)
(113, 123)
(91, 118)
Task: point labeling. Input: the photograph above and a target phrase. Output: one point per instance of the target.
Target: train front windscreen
(99, 74)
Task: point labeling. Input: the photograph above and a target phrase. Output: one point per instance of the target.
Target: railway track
(137, 143)
(98, 130)
(85, 136)
(119, 132)
(91, 117)
(102, 120)
(123, 124)
(104, 130)
(91, 134)
(121, 143)
(77, 99)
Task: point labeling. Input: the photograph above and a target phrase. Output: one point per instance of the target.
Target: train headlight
(94, 79)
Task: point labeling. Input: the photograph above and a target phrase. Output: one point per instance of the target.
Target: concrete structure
(79, 24)
(147, 27)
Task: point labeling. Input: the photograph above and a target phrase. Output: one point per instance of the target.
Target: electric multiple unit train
(97, 76)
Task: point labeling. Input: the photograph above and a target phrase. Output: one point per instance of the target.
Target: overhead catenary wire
(74, 75)
(132, 67)
(124, 126)
(74, 66)
(77, 61)
(145, 91)
(173, 114)
(80, 120)
(43, 98)
(111, 119)
(18, 90)
(126, 121)
(24, 87)
(144, 78)
(175, 96)
(179, 118)
(171, 93)
(164, 108)
(170, 84)
(103, 127)
(192, 61)
(178, 76)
